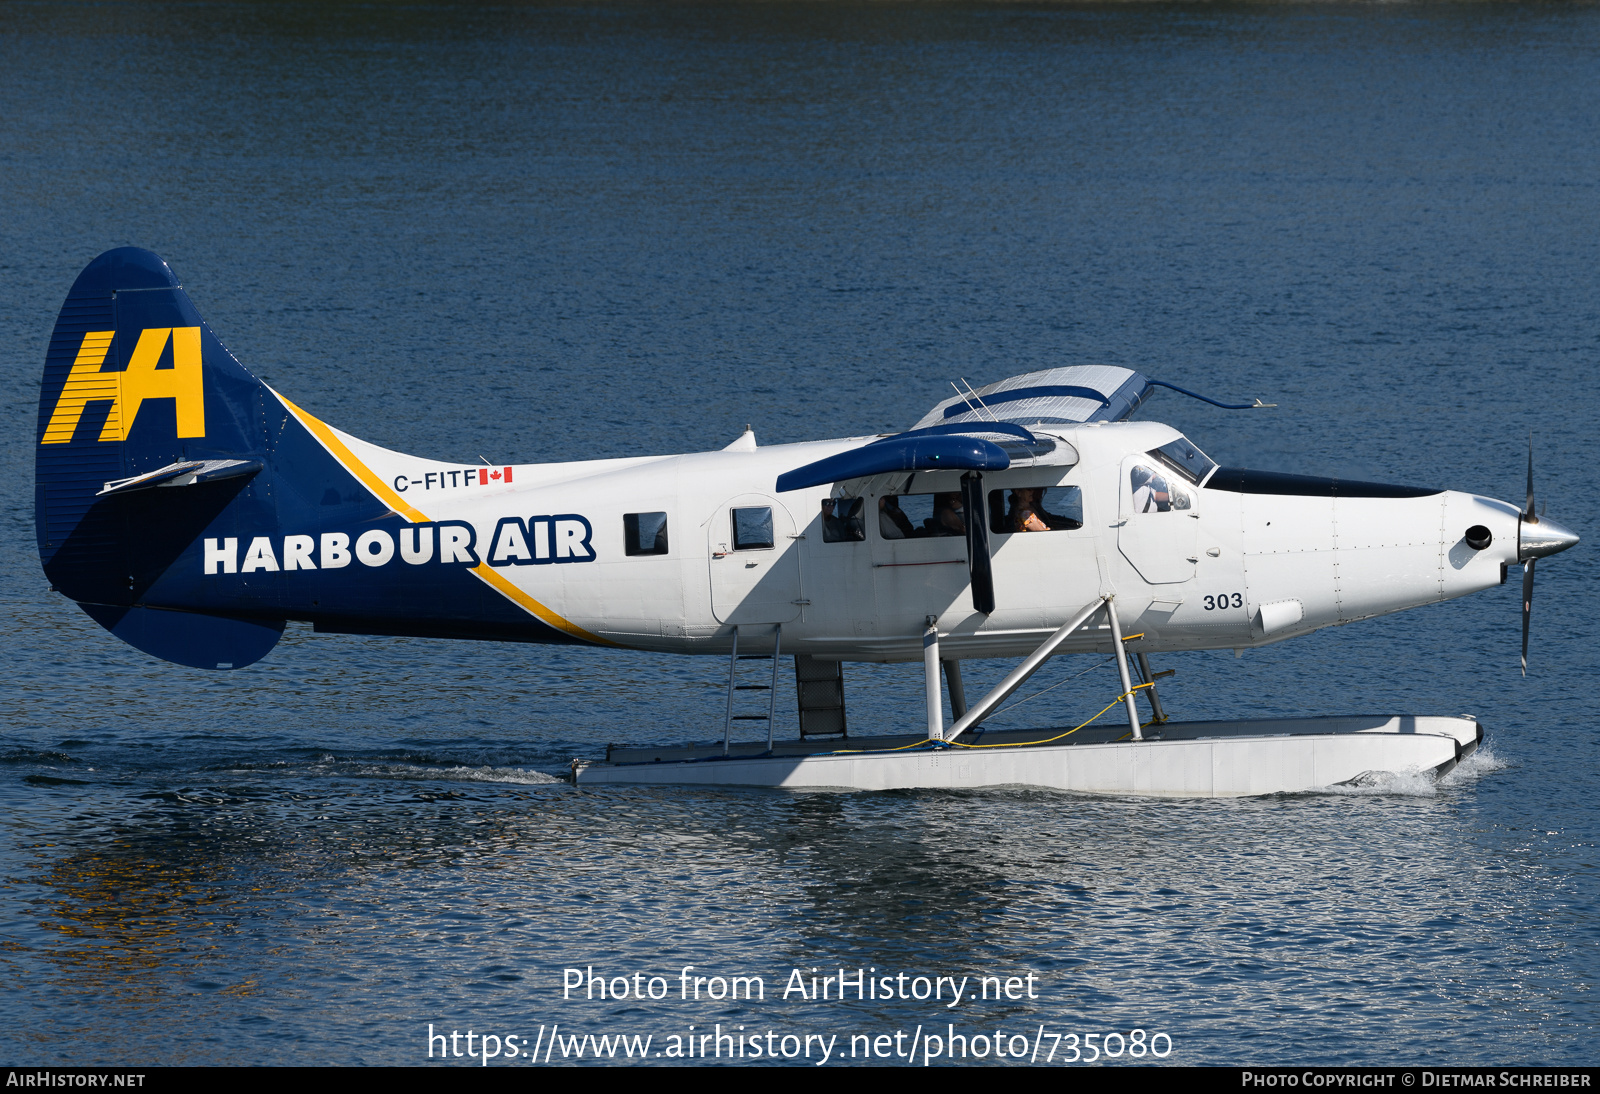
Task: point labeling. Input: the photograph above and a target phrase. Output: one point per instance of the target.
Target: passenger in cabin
(892, 521)
(949, 518)
(1027, 515)
(841, 521)
(1150, 493)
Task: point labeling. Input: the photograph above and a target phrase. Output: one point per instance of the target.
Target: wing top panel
(1075, 394)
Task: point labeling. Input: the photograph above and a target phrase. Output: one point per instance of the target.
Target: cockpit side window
(1183, 457)
(1154, 492)
(1035, 509)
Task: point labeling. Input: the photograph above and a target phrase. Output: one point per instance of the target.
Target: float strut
(1122, 669)
(958, 694)
(1150, 678)
(930, 673)
(1031, 665)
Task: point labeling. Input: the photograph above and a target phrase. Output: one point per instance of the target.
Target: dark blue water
(544, 233)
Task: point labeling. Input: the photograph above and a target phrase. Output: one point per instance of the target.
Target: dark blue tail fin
(139, 394)
(159, 457)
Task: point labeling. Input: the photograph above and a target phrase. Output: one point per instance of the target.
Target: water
(538, 233)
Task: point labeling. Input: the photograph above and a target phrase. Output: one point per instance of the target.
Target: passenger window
(1035, 509)
(844, 520)
(921, 516)
(752, 529)
(1153, 492)
(644, 533)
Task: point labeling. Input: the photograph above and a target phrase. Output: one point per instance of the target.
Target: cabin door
(755, 561)
(1159, 526)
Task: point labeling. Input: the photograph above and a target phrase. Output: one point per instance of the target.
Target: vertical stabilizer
(138, 396)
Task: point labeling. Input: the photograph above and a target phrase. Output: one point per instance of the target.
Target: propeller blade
(1527, 608)
(1528, 517)
(1528, 514)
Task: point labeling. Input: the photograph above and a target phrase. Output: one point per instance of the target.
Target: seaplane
(192, 511)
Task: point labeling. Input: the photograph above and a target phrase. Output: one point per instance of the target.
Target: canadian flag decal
(497, 475)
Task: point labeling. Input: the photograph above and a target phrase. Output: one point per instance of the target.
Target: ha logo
(127, 390)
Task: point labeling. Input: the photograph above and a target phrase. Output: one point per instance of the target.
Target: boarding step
(819, 695)
(734, 687)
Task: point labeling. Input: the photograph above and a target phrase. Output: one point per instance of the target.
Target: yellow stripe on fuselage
(529, 604)
(352, 464)
(386, 494)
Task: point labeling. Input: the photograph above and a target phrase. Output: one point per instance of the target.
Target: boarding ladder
(734, 686)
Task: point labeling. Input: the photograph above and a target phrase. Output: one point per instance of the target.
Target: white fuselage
(1230, 570)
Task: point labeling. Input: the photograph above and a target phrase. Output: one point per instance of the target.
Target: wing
(989, 446)
(985, 429)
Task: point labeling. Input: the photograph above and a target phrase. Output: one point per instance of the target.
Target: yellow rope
(1002, 744)
(1068, 733)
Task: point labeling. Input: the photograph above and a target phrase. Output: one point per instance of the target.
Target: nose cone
(1547, 537)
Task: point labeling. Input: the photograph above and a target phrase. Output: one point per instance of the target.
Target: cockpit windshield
(1183, 457)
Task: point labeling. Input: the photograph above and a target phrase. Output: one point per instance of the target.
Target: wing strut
(980, 569)
(930, 676)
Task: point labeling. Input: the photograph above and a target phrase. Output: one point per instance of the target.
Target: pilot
(1026, 514)
(1150, 493)
(832, 526)
(949, 518)
(892, 520)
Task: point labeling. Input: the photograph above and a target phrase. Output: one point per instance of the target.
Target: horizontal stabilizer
(183, 473)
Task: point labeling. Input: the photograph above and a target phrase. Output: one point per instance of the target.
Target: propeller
(1537, 536)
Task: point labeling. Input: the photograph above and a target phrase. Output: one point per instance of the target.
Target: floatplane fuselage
(193, 511)
(1233, 567)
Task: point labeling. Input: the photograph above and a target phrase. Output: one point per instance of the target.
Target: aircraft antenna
(975, 396)
(960, 395)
